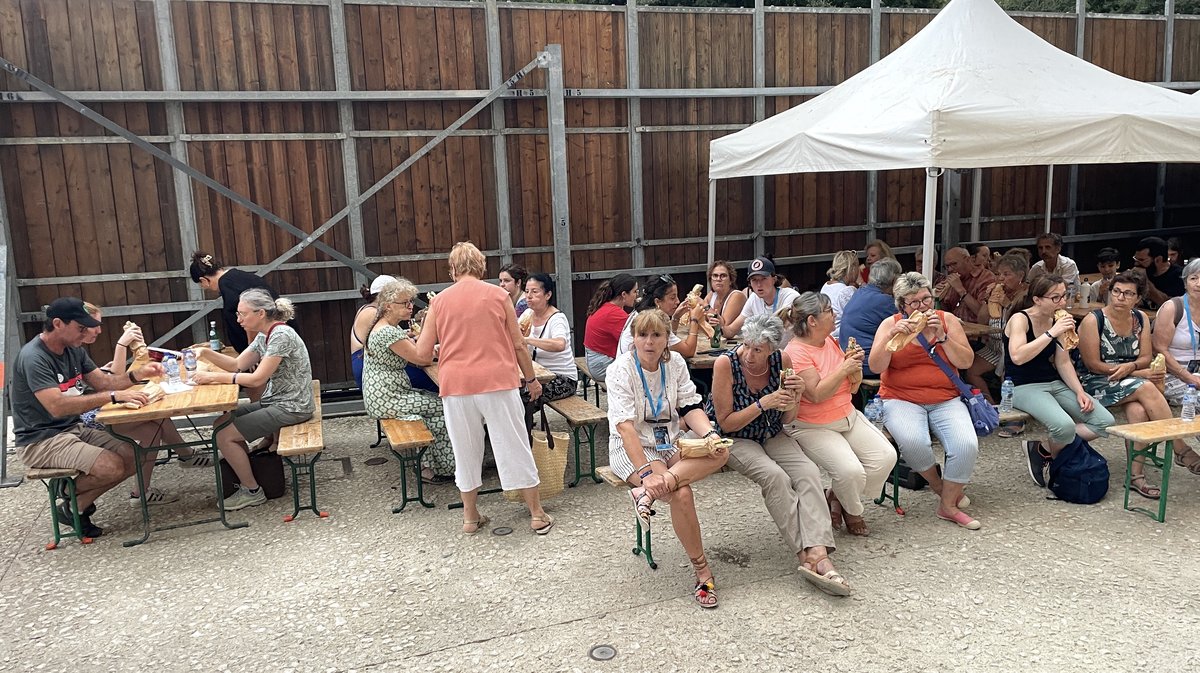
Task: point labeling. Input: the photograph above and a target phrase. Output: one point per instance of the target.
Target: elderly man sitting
(869, 306)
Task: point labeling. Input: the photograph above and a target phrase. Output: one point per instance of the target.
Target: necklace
(747, 369)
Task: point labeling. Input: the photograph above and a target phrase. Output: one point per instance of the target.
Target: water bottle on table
(189, 362)
(172, 367)
(1189, 405)
(1006, 396)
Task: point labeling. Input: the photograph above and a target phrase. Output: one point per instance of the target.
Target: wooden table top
(1156, 431)
(197, 400)
(705, 358)
(539, 371)
(974, 330)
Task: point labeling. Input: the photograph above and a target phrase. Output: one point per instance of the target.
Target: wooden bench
(1152, 434)
(60, 480)
(642, 540)
(585, 377)
(300, 446)
(581, 415)
(408, 441)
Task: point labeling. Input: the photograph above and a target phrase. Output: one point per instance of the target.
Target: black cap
(761, 266)
(68, 309)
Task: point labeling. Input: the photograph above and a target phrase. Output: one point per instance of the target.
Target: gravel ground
(1044, 586)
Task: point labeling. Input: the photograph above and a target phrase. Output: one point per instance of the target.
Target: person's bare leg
(233, 448)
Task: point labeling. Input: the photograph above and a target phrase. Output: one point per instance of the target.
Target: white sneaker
(245, 498)
(197, 459)
(154, 496)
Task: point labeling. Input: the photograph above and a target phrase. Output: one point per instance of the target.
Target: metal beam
(760, 113)
(556, 116)
(976, 201)
(499, 142)
(10, 330)
(341, 76)
(633, 79)
(876, 39)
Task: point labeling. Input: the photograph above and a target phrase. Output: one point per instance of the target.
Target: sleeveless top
(770, 422)
(1038, 370)
(914, 377)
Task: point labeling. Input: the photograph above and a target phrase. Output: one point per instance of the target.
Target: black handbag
(267, 467)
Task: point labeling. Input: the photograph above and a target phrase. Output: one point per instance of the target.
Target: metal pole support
(551, 60)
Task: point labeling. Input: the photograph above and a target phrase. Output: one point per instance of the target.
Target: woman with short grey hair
(843, 280)
(831, 432)
(754, 393)
(906, 285)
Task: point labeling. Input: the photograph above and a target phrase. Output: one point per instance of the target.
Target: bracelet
(234, 381)
(112, 395)
(126, 346)
(710, 433)
(1048, 334)
(132, 378)
(647, 473)
(758, 404)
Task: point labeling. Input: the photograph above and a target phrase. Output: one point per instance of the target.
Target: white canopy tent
(973, 89)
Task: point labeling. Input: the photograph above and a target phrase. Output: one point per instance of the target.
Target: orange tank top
(914, 377)
(476, 353)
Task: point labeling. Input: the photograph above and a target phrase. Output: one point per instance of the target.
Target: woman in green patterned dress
(387, 392)
(1114, 362)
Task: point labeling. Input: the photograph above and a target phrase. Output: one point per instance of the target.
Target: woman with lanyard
(1047, 387)
(751, 402)
(650, 397)
(1175, 336)
(277, 359)
(549, 344)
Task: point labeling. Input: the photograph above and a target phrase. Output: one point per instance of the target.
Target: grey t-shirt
(38, 368)
(290, 387)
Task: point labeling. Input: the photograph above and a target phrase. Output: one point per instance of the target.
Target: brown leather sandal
(1189, 460)
(856, 525)
(831, 581)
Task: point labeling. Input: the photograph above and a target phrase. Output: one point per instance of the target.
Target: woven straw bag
(551, 464)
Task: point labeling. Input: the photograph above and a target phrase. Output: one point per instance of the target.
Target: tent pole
(712, 220)
(931, 180)
(1049, 194)
(976, 201)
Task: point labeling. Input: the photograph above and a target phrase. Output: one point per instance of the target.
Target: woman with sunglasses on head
(549, 344)
(387, 390)
(1114, 366)
(277, 359)
(725, 300)
(662, 293)
(832, 433)
(843, 281)
(1177, 338)
(651, 402)
(366, 316)
(1047, 387)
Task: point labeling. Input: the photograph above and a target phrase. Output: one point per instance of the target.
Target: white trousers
(504, 415)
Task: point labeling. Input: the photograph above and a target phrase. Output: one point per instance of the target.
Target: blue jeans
(910, 424)
(1054, 406)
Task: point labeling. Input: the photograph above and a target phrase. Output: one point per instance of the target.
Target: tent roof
(973, 89)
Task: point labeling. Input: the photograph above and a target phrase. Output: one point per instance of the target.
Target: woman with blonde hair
(278, 359)
(876, 250)
(387, 390)
(483, 363)
(843, 280)
(831, 432)
(651, 401)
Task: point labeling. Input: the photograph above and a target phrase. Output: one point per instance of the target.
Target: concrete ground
(1044, 586)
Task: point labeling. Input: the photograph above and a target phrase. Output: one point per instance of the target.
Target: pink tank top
(476, 353)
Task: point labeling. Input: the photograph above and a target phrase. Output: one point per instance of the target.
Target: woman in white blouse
(843, 281)
(549, 343)
(651, 402)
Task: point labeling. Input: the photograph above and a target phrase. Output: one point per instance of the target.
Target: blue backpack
(1079, 474)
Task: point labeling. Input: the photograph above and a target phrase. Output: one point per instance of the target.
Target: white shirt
(562, 362)
(1066, 268)
(839, 295)
(784, 296)
(627, 400)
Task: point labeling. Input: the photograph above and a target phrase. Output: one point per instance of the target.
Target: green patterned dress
(387, 393)
(1114, 350)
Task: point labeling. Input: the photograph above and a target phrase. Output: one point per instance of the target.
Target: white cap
(380, 281)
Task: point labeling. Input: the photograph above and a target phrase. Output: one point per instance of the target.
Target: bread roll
(525, 322)
(701, 448)
(996, 301)
(1159, 364)
(1069, 339)
(918, 320)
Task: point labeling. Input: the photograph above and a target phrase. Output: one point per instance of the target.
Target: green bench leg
(591, 437)
(410, 461)
(53, 487)
(1152, 459)
(643, 547)
(304, 466)
(380, 436)
(894, 482)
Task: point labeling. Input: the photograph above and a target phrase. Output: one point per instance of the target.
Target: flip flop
(483, 521)
(832, 582)
(549, 520)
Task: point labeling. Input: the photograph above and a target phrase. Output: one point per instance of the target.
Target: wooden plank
(198, 400)
(1156, 431)
(404, 435)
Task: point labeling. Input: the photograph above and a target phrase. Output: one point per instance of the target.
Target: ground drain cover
(501, 530)
(378, 460)
(602, 652)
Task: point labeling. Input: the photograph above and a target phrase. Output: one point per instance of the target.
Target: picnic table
(541, 373)
(704, 358)
(974, 330)
(1153, 434)
(194, 400)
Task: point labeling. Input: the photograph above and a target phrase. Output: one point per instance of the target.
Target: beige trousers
(791, 489)
(855, 453)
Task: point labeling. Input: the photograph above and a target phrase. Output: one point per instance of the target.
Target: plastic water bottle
(1189, 405)
(1006, 396)
(172, 367)
(214, 342)
(189, 361)
(874, 411)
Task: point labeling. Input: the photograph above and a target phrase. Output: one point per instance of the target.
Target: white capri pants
(504, 415)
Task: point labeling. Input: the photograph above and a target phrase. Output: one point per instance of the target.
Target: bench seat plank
(406, 434)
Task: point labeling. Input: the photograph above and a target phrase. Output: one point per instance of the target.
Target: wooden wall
(82, 209)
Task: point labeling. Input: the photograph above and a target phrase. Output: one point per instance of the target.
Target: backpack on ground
(1079, 474)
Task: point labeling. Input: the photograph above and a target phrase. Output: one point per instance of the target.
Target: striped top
(770, 422)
